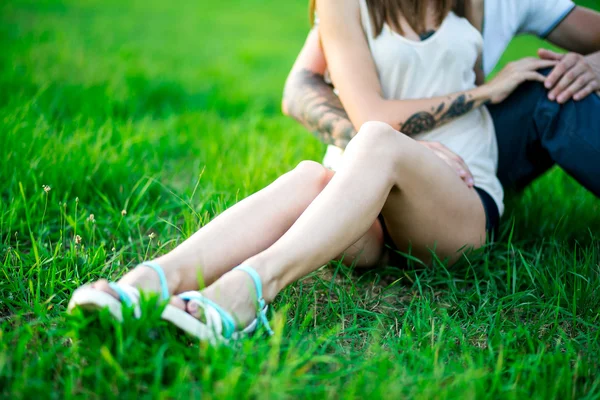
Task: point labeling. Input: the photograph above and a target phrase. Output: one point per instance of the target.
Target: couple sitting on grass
(427, 146)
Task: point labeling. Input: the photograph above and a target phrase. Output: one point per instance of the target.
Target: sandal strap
(127, 294)
(164, 288)
(261, 311)
(130, 296)
(227, 322)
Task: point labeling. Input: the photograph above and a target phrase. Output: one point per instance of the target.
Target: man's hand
(573, 78)
(452, 159)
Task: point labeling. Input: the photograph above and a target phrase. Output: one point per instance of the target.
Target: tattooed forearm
(459, 107)
(312, 102)
(424, 121)
(419, 123)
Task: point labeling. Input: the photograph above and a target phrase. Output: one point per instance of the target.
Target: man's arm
(579, 32)
(311, 101)
(578, 73)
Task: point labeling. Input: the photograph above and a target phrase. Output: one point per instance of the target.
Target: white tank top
(440, 65)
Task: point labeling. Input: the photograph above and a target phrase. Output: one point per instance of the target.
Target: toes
(102, 284)
(194, 310)
(178, 302)
(99, 283)
(188, 306)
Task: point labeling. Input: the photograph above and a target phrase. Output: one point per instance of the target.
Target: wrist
(593, 60)
(483, 93)
(488, 93)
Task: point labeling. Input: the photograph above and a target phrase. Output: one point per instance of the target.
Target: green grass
(170, 111)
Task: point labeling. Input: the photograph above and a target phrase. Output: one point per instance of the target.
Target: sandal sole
(90, 299)
(190, 325)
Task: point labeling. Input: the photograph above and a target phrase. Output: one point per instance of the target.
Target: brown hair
(415, 12)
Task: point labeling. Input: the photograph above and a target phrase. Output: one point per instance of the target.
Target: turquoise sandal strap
(261, 315)
(164, 288)
(226, 318)
(123, 296)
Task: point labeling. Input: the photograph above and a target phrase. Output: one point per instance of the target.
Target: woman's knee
(375, 133)
(314, 174)
(379, 142)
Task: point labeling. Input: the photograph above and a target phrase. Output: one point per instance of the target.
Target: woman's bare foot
(234, 292)
(143, 278)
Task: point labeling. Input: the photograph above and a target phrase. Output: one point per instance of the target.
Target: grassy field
(154, 117)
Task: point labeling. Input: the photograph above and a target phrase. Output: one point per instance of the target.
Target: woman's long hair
(415, 12)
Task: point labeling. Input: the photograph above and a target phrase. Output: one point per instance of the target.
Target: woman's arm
(311, 101)
(354, 75)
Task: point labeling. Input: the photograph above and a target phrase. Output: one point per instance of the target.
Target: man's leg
(534, 133)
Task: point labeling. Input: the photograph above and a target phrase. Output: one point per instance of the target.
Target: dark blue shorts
(492, 214)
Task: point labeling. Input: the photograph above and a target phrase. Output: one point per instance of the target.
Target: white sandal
(219, 325)
(88, 298)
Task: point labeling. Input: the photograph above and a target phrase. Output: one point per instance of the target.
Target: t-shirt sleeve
(542, 16)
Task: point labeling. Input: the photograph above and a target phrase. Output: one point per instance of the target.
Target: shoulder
(337, 5)
(338, 11)
(508, 16)
(540, 17)
(525, 9)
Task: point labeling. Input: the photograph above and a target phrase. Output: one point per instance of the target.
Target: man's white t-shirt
(504, 19)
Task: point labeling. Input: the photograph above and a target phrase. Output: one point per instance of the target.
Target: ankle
(271, 288)
(145, 278)
(236, 294)
(173, 274)
(270, 282)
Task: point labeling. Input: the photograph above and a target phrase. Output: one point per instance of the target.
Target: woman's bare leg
(424, 202)
(368, 251)
(247, 228)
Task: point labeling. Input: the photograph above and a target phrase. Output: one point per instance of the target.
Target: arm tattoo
(459, 107)
(423, 121)
(440, 108)
(418, 123)
(312, 102)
